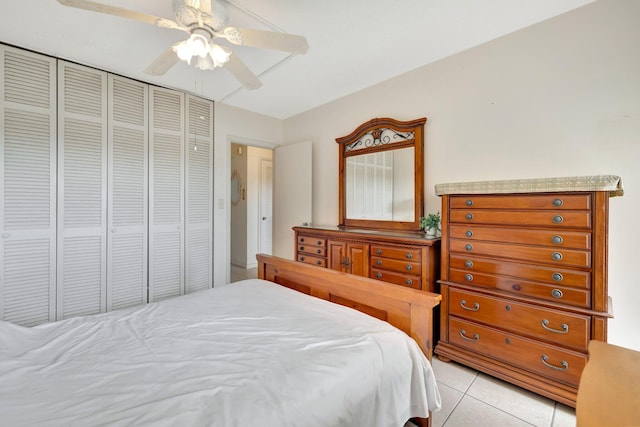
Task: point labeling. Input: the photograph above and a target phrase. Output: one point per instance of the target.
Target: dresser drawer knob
(379, 251)
(557, 240)
(469, 233)
(468, 263)
(301, 248)
(557, 277)
(378, 275)
(558, 219)
(409, 282)
(507, 307)
(564, 364)
(469, 216)
(319, 242)
(468, 247)
(302, 240)
(468, 277)
(556, 293)
(409, 255)
(463, 304)
(557, 256)
(409, 267)
(564, 326)
(558, 202)
(516, 287)
(379, 262)
(319, 251)
(463, 333)
(319, 262)
(469, 202)
(507, 340)
(301, 258)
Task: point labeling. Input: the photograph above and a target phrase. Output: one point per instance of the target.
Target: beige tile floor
(471, 398)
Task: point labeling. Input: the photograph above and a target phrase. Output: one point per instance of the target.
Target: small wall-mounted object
(235, 188)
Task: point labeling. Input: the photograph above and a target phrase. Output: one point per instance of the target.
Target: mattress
(250, 353)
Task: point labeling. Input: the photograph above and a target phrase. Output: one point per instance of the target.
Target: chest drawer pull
(558, 202)
(319, 242)
(469, 216)
(379, 262)
(409, 282)
(557, 277)
(409, 255)
(319, 262)
(556, 256)
(557, 240)
(301, 258)
(475, 338)
(507, 340)
(564, 326)
(301, 248)
(469, 202)
(558, 219)
(379, 251)
(468, 263)
(319, 251)
(468, 247)
(378, 275)
(302, 240)
(409, 267)
(507, 307)
(469, 233)
(564, 364)
(463, 304)
(556, 293)
(468, 277)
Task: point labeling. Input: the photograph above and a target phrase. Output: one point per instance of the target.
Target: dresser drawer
(554, 326)
(552, 219)
(396, 278)
(309, 259)
(554, 256)
(312, 250)
(555, 238)
(547, 360)
(550, 275)
(406, 254)
(400, 266)
(560, 294)
(540, 201)
(311, 241)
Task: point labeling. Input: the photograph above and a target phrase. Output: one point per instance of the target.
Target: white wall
(561, 98)
(233, 125)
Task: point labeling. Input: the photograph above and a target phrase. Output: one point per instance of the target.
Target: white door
(27, 187)
(266, 207)
(82, 190)
(127, 193)
(292, 194)
(166, 193)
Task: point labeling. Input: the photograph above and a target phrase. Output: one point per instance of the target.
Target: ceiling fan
(205, 21)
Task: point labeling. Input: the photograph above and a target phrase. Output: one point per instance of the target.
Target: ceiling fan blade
(162, 63)
(243, 74)
(273, 40)
(118, 11)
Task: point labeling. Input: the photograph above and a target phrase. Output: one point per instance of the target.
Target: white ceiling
(353, 43)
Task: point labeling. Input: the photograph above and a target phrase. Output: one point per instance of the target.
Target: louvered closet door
(199, 193)
(27, 187)
(127, 193)
(82, 190)
(166, 194)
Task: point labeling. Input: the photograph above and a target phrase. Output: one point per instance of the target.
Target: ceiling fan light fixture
(219, 54)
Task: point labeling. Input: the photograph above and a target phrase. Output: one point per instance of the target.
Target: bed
(250, 353)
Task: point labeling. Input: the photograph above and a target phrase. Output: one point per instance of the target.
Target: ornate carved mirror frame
(376, 136)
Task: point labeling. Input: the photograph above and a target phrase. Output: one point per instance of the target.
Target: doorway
(251, 208)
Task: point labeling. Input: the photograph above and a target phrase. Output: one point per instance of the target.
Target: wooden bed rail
(407, 309)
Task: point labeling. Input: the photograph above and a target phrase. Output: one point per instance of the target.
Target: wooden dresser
(403, 258)
(524, 278)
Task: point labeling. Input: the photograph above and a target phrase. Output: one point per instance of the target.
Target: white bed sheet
(251, 353)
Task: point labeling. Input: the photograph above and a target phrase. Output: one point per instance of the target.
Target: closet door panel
(127, 193)
(166, 194)
(82, 185)
(27, 187)
(199, 193)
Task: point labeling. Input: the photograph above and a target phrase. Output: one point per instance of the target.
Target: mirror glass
(380, 186)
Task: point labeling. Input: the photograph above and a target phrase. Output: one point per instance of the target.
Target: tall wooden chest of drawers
(524, 278)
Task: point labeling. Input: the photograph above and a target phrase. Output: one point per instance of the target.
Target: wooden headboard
(407, 309)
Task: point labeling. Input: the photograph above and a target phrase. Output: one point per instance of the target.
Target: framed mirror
(381, 175)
